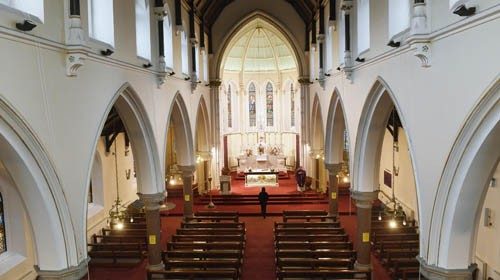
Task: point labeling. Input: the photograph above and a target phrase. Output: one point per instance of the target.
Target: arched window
(184, 53)
(399, 16)
(364, 25)
(229, 112)
(205, 66)
(269, 104)
(33, 7)
(197, 61)
(292, 105)
(101, 24)
(251, 105)
(167, 42)
(3, 239)
(142, 29)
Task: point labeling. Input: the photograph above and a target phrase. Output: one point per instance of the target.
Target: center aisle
(259, 250)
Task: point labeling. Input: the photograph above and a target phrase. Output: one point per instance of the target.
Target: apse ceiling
(211, 9)
(259, 47)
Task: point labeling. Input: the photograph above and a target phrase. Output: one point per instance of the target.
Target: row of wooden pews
(117, 246)
(312, 244)
(395, 244)
(209, 245)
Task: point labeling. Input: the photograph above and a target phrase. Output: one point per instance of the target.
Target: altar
(261, 178)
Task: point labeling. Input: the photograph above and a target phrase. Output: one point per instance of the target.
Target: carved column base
(72, 273)
(438, 273)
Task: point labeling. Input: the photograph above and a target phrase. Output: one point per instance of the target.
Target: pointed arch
(40, 189)
(369, 138)
(288, 35)
(463, 185)
(335, 126)
(183, 134)
(202, 127)
(317, 125)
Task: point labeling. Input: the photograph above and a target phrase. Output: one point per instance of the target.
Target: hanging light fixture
(118, 213)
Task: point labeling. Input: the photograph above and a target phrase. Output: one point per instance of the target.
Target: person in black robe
(263, 198)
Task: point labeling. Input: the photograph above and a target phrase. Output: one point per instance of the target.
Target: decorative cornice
(215, 83)
(71, 273)
(304, 81)
(333, 168)
(438, 273)
(152, 201)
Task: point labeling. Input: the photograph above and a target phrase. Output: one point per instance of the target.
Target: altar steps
(281, 175)
(274, 199)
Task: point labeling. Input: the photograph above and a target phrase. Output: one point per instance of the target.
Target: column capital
(152, 201)
(346, 5)
(74, 272)
(438, 273)
(333, 168)
(187, 170)
(364, 199)
(215, 83)
(304, 80)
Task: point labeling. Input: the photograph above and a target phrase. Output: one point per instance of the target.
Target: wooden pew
(322, 274)
(315, 245)
(124, 246)
(307, 215)
(218, 219)
(221, 245)
(208, 237)
(216, 213)
(394, 237)
(379, 230)
(312, 230)
(311, 237)
(210, 231)
(193, 274)
(124, 232)
(310, 263)
(119, 239)
(116, 257)
(212, 225)
(326, 253)
(306, 224)
(202, 264)
(203, 255)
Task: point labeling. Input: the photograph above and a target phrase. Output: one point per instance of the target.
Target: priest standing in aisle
(263, 198)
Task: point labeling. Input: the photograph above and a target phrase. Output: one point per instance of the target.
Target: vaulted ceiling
(211, 9)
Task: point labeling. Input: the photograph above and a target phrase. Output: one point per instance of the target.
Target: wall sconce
(187, 78)
(107, 52)
(359, 59)
(127, 174)
(464, 11)
(394, 44)
(493, 182)
(127, 151)
(26, 25)
(147, 65)
(171, 73)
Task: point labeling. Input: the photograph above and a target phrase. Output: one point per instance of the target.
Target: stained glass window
(269, 104)
(292, 105)
(3, 240)
(251, 105)
(229, 115)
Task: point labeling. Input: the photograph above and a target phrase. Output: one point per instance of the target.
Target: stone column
(333, 203)
(152, 204)
(187, 180)
(438, 273)
(215, 127)
(304, 118)
(364, 201)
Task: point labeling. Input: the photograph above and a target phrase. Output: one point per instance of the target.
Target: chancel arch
(33, 187)
(383, 167)
(260, 58)
(463, 186)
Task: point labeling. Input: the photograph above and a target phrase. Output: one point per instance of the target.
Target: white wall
(97, 213)
(487, 241)
(404, 183)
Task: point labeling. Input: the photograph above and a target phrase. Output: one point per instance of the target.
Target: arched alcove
(203, 155)
(316, 168)
(463, 185)
(36, 182)
(335, 128)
